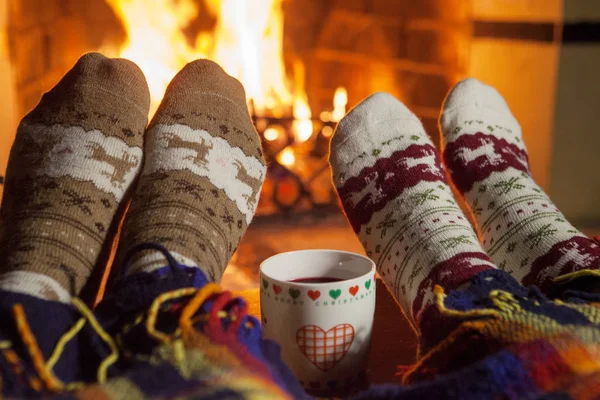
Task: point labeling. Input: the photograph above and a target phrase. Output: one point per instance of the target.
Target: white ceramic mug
(324, 329)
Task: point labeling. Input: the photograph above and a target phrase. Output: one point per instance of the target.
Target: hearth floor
(264, 239)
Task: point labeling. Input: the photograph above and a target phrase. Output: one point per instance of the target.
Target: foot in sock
(394, 192)
(520, 228)
(202, 175)
(74, 158)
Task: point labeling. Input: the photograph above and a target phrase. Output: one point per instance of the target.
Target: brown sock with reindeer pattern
(202, 175)
(74, 158)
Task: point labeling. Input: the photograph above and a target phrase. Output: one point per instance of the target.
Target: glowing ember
(271, 134)
(303, 126)
(287, 157)
(327, 131)
(325, 116)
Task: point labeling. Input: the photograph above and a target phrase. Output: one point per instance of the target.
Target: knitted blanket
(499, 340)
(171, 333)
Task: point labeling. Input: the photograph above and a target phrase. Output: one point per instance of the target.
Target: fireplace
(303, 63)
(302, 55)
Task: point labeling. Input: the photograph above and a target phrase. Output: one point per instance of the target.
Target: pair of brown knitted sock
(193, 175)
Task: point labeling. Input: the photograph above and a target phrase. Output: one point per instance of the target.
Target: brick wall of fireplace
(413, 49)
(46, 37)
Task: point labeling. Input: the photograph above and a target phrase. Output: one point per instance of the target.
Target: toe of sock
(377, 109)
(376, 127)
(118, 76)
(472, 99)
(473, 93)
(208, 77)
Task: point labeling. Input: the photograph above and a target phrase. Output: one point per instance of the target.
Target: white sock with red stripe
(520, 228)
(394, 192)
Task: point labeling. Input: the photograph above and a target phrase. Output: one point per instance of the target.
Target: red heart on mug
(277, 289)
(353, 290)
(314, 294)
(325, 349)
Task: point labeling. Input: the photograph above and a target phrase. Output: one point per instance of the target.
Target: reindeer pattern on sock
(254, 183)
(227, 167)
(121, 165)
(72, 151)
(201, 148)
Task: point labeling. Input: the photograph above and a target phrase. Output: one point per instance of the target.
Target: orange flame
(340, 101)
(247, 42)
(156, 41)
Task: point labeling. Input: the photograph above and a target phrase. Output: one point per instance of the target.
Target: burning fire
(155, 40)
(248, 44)
(340, 100)
(247, 41)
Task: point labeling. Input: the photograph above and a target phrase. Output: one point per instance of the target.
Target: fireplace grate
(298, 174)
